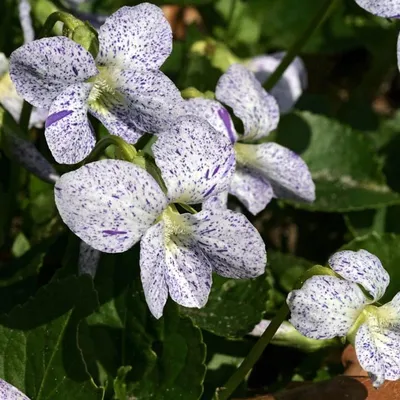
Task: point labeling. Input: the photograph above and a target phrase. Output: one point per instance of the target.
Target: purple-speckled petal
(109, 204)
(152, 269)
(9, 392)
(29, 157)
(251, 189)
(195, 161)
(216, 203)
(377, 343)
(325, 307)
(44, 68)
(135, 37)
(238, 88)
(116, 117)
(214, 113)
(292, 83)
(286, 172)
(68, 132)
(188, 271)
(382, 8)
(88, 259)
(232, 244)
(363, 268)
(150, 98)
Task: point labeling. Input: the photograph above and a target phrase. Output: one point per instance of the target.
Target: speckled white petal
(116, 117)
(378, 350)
(363, 268)
(195, 161)
(188, 272)
(9, 392)
(4, 65)
(251, 189)
(109, 204)
(68, 132)
(42, 69)
(325, 307)
(88, 259)
(152, 269)
(286, 172)
(150, 98)
(292, 83)
(135, 37)
(239, 89)
(216, 203)
(24, 11)
(232, 244)
(382, 8)
(214, 113)
(30, 158)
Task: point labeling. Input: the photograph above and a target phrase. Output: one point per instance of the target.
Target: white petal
(188, 272)
(238, 88)
(24, 10)
(290, 86)
(286, 172)
(116, 117)
(378, 351)
(251, 189)
(216, 203)
(231, 243)
(363, 268)
(30, 158)
(68, 132)
(152, 269)
(325, 307)
(42, 69)
(9, 392)
(135, 37)
(214, 113)
(109, 204)
(195, 161)
(88, 259)
(149, 98)
(4, 64)
(382, 8)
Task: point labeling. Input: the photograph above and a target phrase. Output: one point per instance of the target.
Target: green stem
(69, 21)
(188, 208)
(255, 353)
(127, 150)
(25, 116)
(291, 54)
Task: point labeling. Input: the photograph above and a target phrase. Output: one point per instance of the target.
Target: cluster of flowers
(198, 155)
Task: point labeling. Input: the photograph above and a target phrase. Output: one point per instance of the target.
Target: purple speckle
(113, 233)
(75, 70)
(224, 115)
(210, 190)
(216, 170)
(53, 118)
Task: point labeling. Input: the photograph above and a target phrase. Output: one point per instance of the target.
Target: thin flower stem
(291, 54)
(127, 150)
(188, 208)
(255, 353)
(69, 21)
(25, 116)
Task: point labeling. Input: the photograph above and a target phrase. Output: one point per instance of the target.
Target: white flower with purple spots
(382, 8)
(265, 170)
(343, 305)
(123, 87)
(112, 204)
(9, 392)
(290, 86)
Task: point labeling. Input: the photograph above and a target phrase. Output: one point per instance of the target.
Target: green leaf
(166, 356)
(287, 269)
(387, 248)
(38, 343)
(345, 168)
(234, 306)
